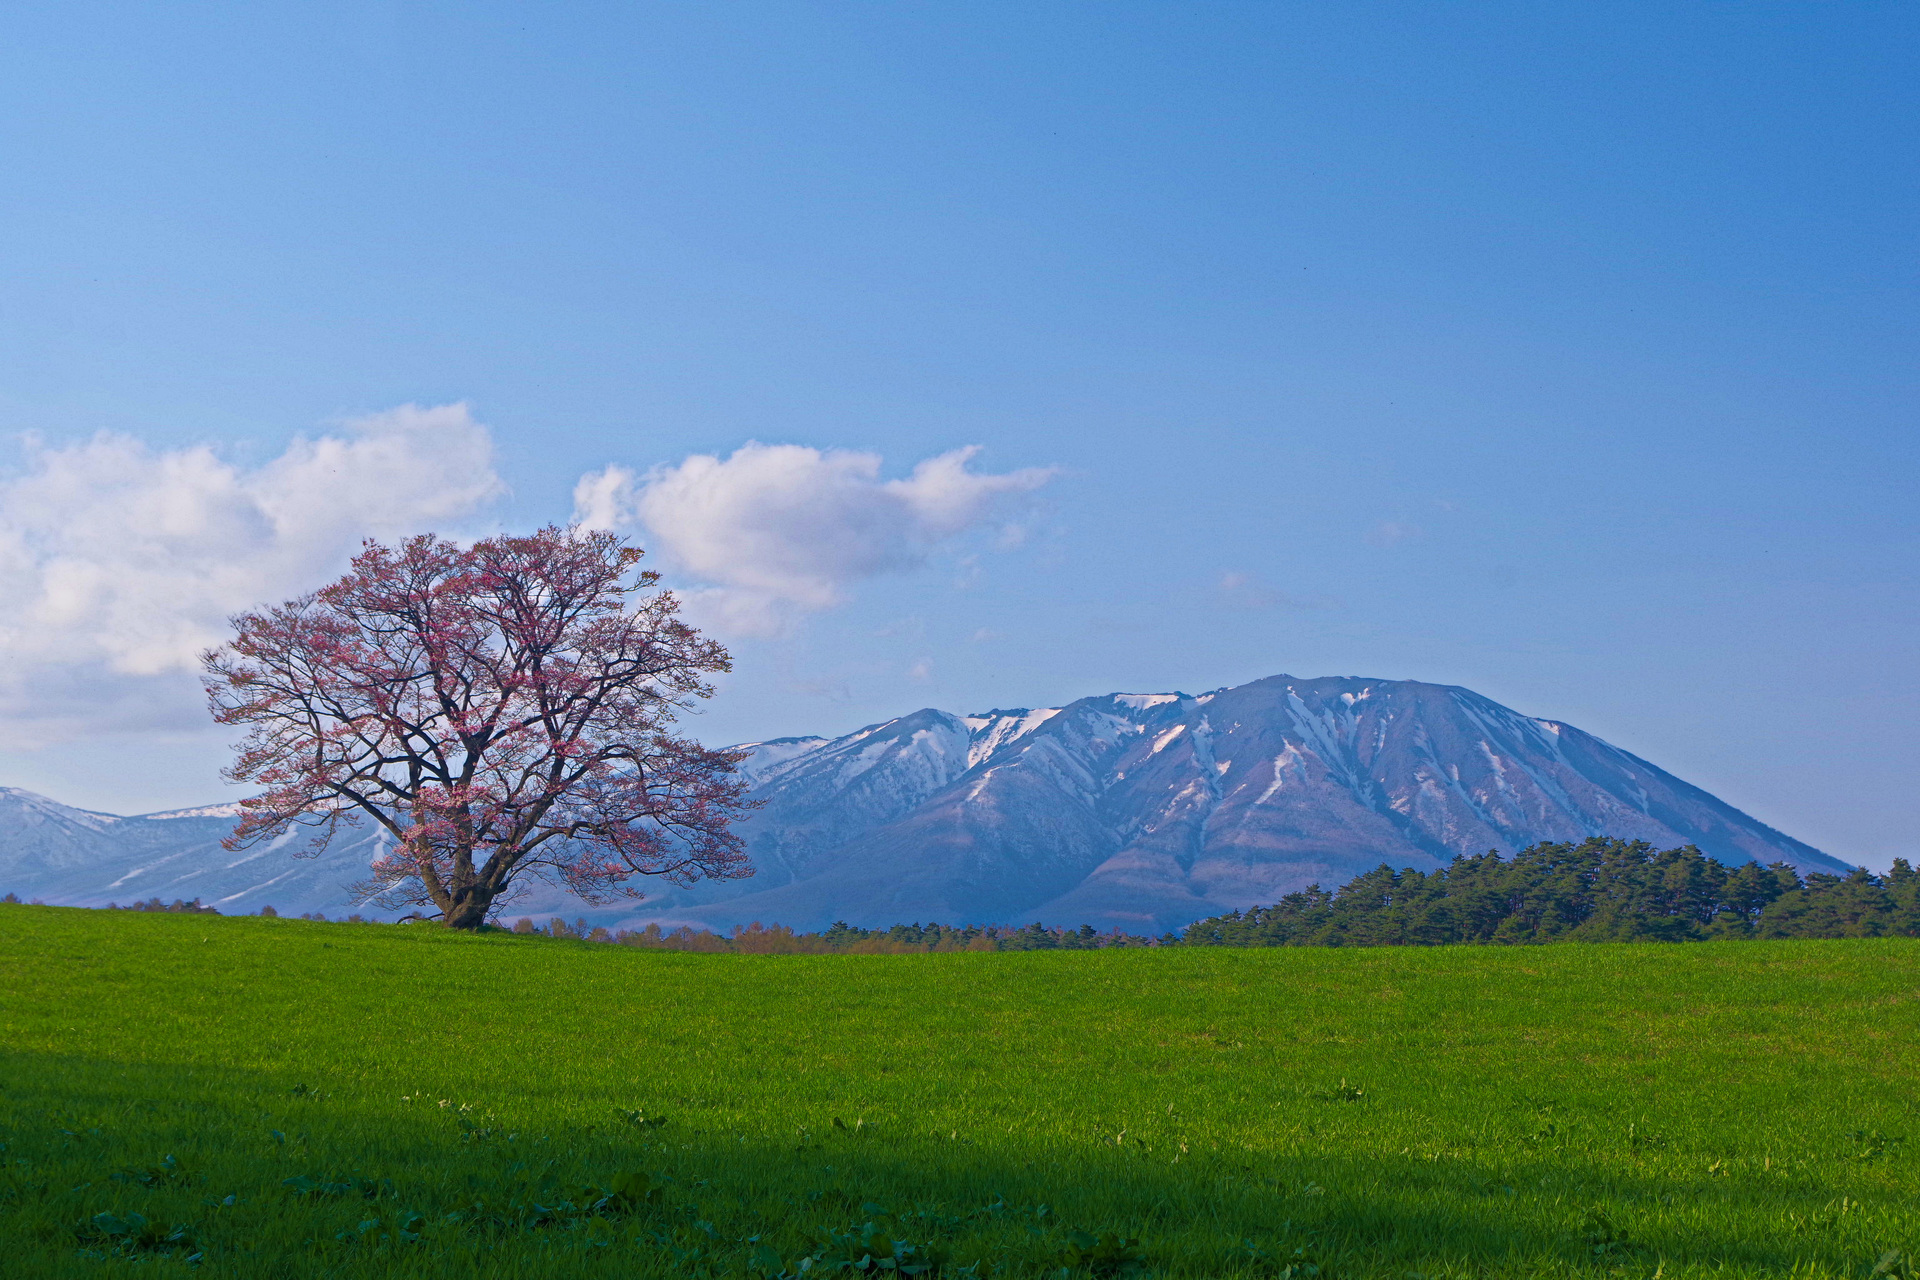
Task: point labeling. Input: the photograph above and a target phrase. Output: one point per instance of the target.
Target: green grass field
(282, 1098)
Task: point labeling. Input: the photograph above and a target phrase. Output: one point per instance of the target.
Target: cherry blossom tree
(499, 710)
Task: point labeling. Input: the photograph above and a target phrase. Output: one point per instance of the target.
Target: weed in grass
(1601, 1236)
(1108, 1254)
(1894, 1265)
(167, 1173)
(1276, 1262)
(107, 1235)
(1869, 1145)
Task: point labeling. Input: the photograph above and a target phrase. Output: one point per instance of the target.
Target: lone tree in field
(499, 709)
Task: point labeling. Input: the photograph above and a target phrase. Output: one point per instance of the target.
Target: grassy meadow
(252, 1097)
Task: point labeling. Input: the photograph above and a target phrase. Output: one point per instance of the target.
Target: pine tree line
(1598, 891)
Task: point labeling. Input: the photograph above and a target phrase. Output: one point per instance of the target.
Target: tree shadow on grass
(245, 1173)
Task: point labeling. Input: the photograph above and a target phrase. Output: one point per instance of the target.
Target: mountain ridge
(1140, 811)
(1136, 811)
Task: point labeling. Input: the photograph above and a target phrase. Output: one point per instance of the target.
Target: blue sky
(1563, 352)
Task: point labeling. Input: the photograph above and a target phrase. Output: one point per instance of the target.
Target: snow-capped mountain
(1139, 811)
(80, 858)
(1150, 811)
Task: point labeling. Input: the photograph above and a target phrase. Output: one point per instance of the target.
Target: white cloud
(777, 529)
(1391, 533)
(1248, 591)
(119, 562)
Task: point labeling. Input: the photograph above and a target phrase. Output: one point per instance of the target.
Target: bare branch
(495, 709)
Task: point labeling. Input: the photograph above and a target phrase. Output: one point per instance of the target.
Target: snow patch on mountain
(992, 730)
(765, 757)
(1145, 701)
(32, 807)
(204, 811)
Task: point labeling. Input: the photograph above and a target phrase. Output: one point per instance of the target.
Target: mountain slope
(1146, 812)
(79, 858)
(1143, 812)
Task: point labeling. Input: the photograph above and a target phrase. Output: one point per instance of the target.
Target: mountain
(1146, 812)
(81, 858)
(1137, 811)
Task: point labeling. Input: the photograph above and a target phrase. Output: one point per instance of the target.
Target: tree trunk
(469, 910)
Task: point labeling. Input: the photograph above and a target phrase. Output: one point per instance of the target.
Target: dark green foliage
(1103, 1255)
(108, 1235)
(1597, 891)
(348, 1187)
(1894, 1265)
(167, 1173)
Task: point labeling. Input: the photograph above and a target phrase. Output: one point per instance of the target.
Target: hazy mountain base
(1596, 891)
